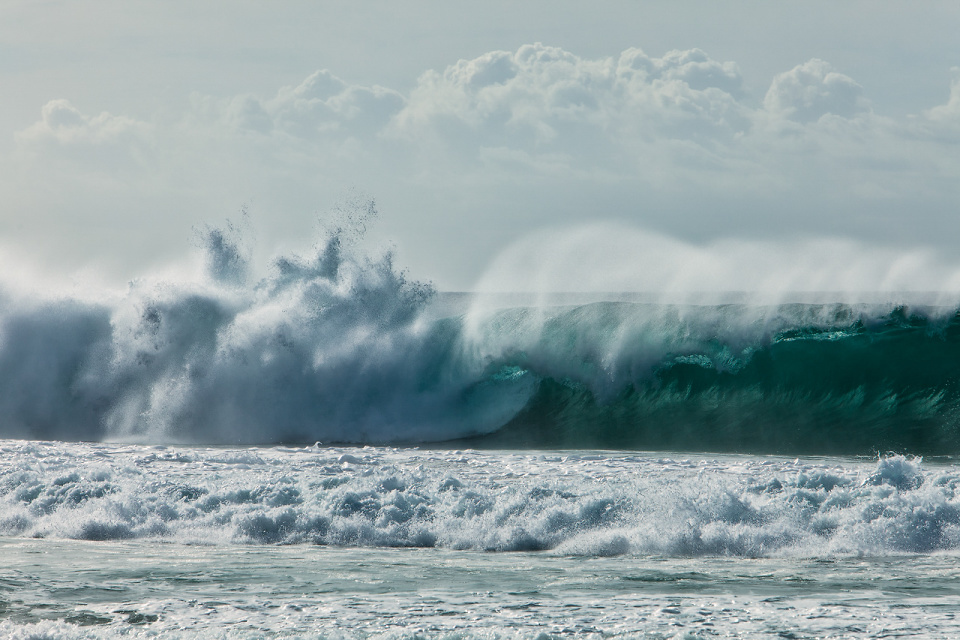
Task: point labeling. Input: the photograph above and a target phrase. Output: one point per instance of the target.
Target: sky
(477, 128)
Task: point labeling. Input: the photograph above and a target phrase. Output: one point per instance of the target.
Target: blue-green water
(344, 349)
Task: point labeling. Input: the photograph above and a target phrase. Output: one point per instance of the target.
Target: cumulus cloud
(321, 105)
(682, 118)
(246, 112)
(77, 146)
(511, 140)
(64, 123)
(812, 90)
(540, 95)
(945, 118)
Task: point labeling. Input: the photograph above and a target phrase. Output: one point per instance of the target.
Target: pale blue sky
(125, 124)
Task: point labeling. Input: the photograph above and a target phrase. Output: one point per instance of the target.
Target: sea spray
(616, 258)
(340, 347)
(327, 347)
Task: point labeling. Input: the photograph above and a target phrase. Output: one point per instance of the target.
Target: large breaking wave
(342, 348)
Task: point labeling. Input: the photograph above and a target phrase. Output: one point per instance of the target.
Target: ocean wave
(340, 347)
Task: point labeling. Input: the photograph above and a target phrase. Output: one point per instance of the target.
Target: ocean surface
(336, 450)
(110, 540)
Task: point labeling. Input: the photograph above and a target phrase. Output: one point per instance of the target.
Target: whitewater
(338, 450)
(106, 540)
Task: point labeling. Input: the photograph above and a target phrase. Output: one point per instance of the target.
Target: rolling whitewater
(339, 450)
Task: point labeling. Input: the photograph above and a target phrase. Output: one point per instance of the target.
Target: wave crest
(340, 347)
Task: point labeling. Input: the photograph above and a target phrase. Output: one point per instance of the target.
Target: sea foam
(570, 503)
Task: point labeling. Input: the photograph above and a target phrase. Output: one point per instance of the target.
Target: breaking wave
(339, 347)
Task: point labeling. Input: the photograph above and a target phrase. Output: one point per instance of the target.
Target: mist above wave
(616, 258)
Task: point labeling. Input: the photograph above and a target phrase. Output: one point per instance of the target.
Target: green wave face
(808, 379)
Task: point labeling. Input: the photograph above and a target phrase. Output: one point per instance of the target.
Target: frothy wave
(330, 347)
(339, 347)
(575, 503)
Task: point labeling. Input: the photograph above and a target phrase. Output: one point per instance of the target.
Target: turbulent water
(106, 540)
(340, 348)
(337, 450)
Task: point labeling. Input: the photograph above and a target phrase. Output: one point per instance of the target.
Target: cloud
(76, 146)
(693, 67)
(321, 105)
(246, 112)
(812, 90)
(951, 110)
(509, 141)
(944, 120)
(540, 96)
(60, 121)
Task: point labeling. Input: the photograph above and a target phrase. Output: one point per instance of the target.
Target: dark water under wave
(340, 348)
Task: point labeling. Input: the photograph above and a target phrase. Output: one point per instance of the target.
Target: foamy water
(175, 461)
(106, 540)
(588, 504)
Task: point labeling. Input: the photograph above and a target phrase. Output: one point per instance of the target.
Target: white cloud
(68, 147)
(812, 90)
(60, 121)
(246, 112)
(944, 120)
(511, 140)
(540, 95)
(322, 104)
(320, 109)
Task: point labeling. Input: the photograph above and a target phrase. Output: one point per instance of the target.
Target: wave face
(798, 378)
(341, 348)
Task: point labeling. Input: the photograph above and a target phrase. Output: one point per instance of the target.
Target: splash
(328, 347)
(340, 347)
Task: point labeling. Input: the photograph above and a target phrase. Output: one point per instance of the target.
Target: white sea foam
(130, 541)
(607, 504)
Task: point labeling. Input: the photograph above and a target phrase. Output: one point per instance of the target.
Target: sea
(336, 450)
